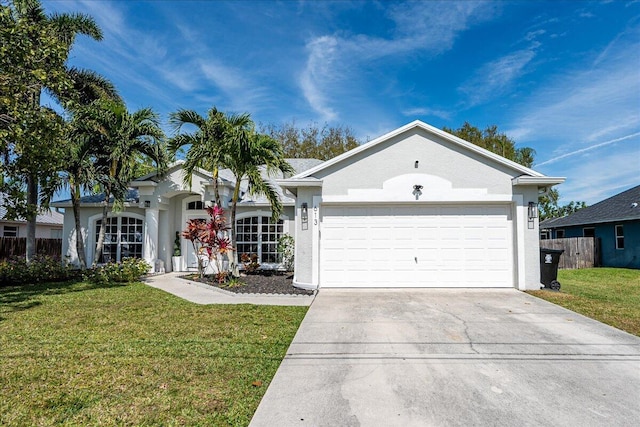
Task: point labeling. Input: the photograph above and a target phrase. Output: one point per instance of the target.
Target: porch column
(150, 251)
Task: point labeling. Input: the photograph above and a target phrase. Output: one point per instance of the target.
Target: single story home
(614, 221)
(417, 207)
(48, 224)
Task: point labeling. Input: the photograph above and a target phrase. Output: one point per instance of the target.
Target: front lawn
(82, 354)
(610, 295)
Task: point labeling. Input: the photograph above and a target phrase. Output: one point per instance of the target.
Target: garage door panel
(416, 246)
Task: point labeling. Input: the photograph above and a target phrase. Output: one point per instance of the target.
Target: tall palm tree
(206, 143)
(125, 139)
(248, 155)
(65, 27)
(80, 172)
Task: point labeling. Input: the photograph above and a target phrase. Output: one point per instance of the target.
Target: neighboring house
(615, 221)
(417, 207)
(48, 224)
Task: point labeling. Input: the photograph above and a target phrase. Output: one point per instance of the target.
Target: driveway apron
(433, 357)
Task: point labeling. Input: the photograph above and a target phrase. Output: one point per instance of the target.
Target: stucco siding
(370, 168)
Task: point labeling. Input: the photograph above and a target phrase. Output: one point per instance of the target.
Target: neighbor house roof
(624, 206)
(50, 217)
(95, 199)
(540, 179)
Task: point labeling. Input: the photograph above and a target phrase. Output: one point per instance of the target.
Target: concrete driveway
(435, 357)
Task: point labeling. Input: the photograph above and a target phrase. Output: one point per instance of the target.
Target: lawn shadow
(24, 297)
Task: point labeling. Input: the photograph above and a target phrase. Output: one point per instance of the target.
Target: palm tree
(248, 155)
(64, 27)
(80, 173)
(125, 140)
(206, 143)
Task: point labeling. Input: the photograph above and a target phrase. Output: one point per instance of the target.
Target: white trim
(615, 232)
(427, 128)
(90, 248)
(264, 213)
(519, 258)
(538, 180)
(464, 198)
(315, 240)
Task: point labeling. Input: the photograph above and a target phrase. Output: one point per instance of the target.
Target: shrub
(250, 262)
(42, 269)
(129, 270)
(287, 249)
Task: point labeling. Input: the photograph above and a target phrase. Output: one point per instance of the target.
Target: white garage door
(416, 246)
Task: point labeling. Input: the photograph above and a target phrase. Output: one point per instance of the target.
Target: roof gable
(427, 128)
(623, 206)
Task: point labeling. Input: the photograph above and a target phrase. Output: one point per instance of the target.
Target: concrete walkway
(200, 293)
(434, 357)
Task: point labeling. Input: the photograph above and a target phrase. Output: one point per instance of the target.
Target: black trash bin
(549, 260)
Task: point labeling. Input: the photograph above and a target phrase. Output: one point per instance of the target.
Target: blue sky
(560, 77)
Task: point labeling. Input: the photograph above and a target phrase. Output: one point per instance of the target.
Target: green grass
(610, 295)
(80, 354)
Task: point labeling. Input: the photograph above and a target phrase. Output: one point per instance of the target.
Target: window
(588, 232)
(619, 237)
(122, 239)
(259, 235)
(544, 234)
(559, 234)
(10, 231)
(195, 206)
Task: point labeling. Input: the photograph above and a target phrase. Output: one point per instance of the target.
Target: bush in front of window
(286, 249)
(127, 271)
(250, 262)
(42, 269)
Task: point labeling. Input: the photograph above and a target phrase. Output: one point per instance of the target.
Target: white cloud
(420, 111)
(333, 61)
(497, 77)
(590, 148)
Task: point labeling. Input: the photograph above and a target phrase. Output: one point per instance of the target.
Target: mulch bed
(274, 283)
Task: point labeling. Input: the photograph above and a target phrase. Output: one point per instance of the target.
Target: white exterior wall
(370, 168)
(387, 172)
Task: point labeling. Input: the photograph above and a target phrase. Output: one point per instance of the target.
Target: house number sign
(315, 215)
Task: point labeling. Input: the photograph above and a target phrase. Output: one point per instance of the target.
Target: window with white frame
(619, 237)
(544, 234)
(123, 238)
(195, 205)
(259, 235)
(10, 231)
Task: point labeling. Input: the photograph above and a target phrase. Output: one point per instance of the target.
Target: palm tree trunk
(216, 189)
(75, 201)
(32, 203)
(103, 227)
(235, 270)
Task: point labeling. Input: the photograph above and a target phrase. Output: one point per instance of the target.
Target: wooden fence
(579, 252)
(17, 247)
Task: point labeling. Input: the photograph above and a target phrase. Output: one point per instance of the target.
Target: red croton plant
(210, 241)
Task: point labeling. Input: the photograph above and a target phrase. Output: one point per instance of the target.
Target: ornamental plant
(210, 240)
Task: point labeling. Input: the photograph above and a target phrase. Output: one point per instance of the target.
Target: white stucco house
(417, 207)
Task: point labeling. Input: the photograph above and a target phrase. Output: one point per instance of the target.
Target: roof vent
(634, 204)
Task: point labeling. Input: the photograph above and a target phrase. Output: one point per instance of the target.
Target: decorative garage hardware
(416, 165)
(417, 190)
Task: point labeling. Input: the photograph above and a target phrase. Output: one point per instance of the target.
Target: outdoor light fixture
(533, 210)
(416, 164)
(417, 187)
(147, 204)
(305, 212)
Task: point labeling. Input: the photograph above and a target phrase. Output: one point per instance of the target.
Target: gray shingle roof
(50, 217)
(132, 197)
(624, 206)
